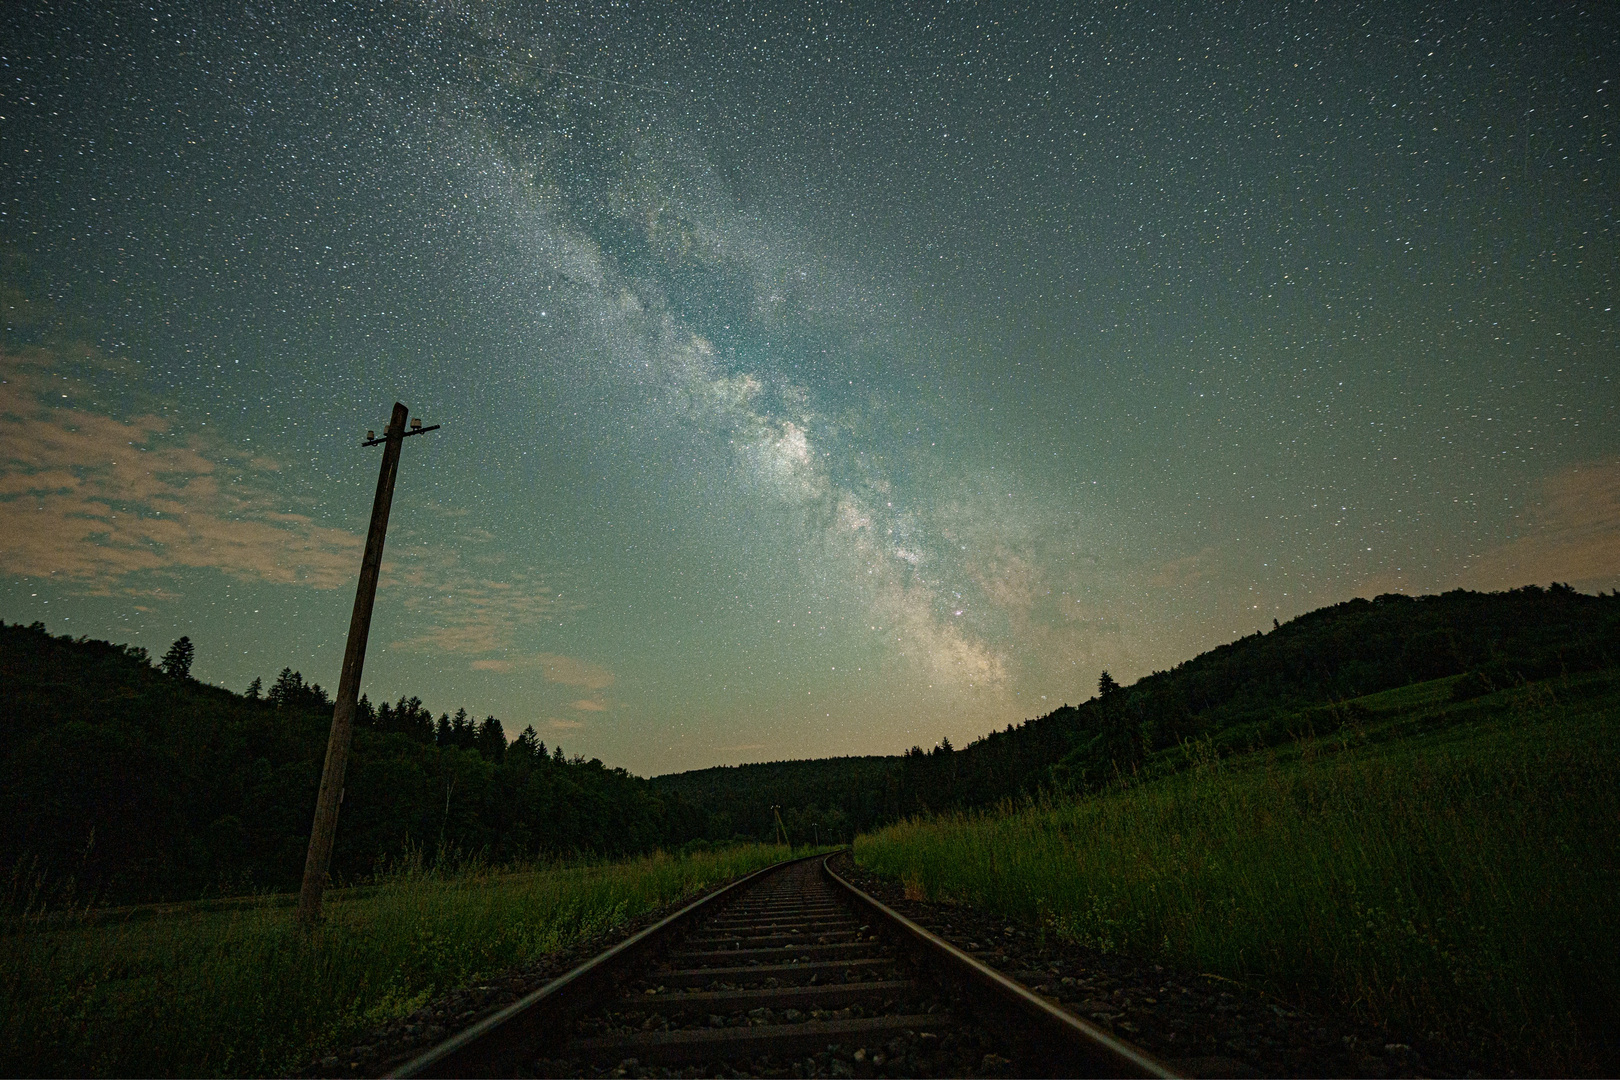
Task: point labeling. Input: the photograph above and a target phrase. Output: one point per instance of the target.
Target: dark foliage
(140, 785)
(841, 795)
(1256, 691)
(177, 661)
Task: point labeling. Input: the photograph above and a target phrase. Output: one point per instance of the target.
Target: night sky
(814, 380)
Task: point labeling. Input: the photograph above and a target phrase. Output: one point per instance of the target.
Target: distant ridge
(1248, 690)
(123, 782)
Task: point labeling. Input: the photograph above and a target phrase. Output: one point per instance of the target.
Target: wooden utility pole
(354, 658)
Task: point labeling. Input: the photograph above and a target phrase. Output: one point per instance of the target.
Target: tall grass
(245, 992)
(1459, 886)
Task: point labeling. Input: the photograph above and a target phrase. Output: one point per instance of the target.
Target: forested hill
(138, 782)
(829, 798)
(1249, 692)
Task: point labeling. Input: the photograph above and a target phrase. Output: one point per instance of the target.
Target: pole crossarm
(408, 434)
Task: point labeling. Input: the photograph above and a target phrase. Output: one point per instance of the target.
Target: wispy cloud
(1571, 533)
(475, 604)
(572, 672)
(564, 670)
(129, 504)
(97, 499)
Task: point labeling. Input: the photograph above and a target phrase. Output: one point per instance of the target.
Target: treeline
(827, 798)
(1256, 691)
(137, 782)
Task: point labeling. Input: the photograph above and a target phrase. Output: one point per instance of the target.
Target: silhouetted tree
(291, 692)
(177, 661)
(1106, 685)
(491, 740)
(463, 731)
(526, 747)
(217, 786)
(408, 717)
(255, 688)
(208, 786)
(288, 687)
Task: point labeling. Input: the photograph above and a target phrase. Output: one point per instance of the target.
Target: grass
(1446, 870)
(243, 991)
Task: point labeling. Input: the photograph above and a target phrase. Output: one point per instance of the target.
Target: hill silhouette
(1251, 692)
(137, 782)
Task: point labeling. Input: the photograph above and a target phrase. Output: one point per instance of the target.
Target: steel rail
(538, 1022)
(1046, 1040)
(1069, 1046)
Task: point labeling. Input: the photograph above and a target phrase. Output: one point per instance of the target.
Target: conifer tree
(527, 746)
(289, 685)
(491, 740)
(177, 661)
(463, 731)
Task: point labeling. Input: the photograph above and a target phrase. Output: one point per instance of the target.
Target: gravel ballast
(1198, 1024)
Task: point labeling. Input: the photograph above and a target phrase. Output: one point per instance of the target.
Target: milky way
(813, 381)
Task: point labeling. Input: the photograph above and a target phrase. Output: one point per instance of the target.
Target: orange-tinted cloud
(1572, 533)
(95, 499)
(587, 705)
(116, 504)
(566, 670)
(472, 603)
(571, 672)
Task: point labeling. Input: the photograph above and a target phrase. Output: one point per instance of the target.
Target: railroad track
(791, 971)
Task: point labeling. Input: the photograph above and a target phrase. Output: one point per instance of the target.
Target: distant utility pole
(354, 658)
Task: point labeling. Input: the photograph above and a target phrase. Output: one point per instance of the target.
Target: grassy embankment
(245, 992)
(1447, 869)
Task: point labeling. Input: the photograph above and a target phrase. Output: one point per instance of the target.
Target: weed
(1458, 884)
(244, 991)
